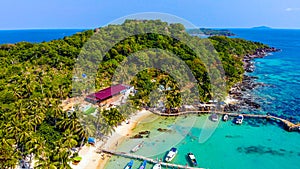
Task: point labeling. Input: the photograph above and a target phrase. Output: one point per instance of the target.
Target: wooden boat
(214, 117)
(225, 117)
(239, 119)
(129, 165)
(137, 147)
(143, 166)
(192, 158)
(171, 155)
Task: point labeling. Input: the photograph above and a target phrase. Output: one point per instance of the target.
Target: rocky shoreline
(240, 90)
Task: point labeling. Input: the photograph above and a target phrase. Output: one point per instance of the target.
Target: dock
(289, 126)
(149, 160)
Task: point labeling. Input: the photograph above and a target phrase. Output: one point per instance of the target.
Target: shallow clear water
(230, 146)
(256, 143)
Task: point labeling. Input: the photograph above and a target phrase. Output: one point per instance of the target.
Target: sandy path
(93, 160)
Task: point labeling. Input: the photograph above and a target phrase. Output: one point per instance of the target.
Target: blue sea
(34, 35)
(256, 143)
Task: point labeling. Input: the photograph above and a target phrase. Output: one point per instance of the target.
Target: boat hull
(171, 155)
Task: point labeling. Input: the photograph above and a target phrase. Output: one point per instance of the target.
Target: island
(41, 111)
(261, 27)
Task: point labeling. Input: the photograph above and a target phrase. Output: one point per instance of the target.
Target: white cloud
(292, 9)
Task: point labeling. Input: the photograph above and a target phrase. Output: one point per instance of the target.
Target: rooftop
(107, 92)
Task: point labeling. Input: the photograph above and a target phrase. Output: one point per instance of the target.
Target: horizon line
(91, 28)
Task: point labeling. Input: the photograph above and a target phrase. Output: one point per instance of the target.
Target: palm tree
(102, 127)
(72, 123)
(55, 109)
(46, 163)
(8, 156)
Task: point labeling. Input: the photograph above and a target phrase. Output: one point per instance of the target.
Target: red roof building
(107, 93)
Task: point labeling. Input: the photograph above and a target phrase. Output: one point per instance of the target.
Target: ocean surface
(255, 144)
(34, 35)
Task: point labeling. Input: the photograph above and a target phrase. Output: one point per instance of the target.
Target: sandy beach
(93, 160)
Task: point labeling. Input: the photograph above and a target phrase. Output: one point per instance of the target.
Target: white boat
(225, 117)
(214, 117)
(137, 147)
(239, 119)
(157, 166)
(171, 155)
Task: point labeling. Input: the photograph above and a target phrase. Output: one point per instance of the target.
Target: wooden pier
(149, 160)
(289, 126)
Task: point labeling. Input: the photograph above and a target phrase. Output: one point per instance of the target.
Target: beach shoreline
(93, 160)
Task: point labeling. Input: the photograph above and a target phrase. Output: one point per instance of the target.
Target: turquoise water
(256, 143)
(230, 146)
(281, 71)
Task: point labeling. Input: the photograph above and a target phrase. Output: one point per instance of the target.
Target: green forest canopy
(35, 77)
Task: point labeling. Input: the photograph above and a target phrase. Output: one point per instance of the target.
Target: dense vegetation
(34, 78)
(210, 32)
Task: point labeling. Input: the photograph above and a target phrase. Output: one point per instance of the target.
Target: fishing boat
(239, 119)
(192, 158)
(143, 166)
(129, 165)
(157, 166)
(225, 117)
(171, 155)
(214, 117)
(137, 147)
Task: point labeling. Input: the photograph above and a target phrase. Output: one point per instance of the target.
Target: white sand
(92, 160)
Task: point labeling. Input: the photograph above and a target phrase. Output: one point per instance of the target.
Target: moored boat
(192, 158)
(214, 117)
(129, 165)
(137, 147)
(239, 119)
(171, 155)
(225, 117)
(157, 166)
(143, 166)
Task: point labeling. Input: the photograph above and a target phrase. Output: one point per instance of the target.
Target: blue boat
(143, 166)
(129, 165)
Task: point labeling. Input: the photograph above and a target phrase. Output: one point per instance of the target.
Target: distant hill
(210, 32)
(262, 27)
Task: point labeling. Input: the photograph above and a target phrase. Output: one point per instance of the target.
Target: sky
(37, 14)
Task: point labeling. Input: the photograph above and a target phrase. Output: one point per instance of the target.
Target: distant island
(210, 32)
(262, 27)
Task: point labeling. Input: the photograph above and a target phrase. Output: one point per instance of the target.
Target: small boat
(137, 147)
(143, 166)
(192, 158)
(214, 117)
(129, 165)
(225, 117)
(171, 154)
(157, 166)
(239, 119)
